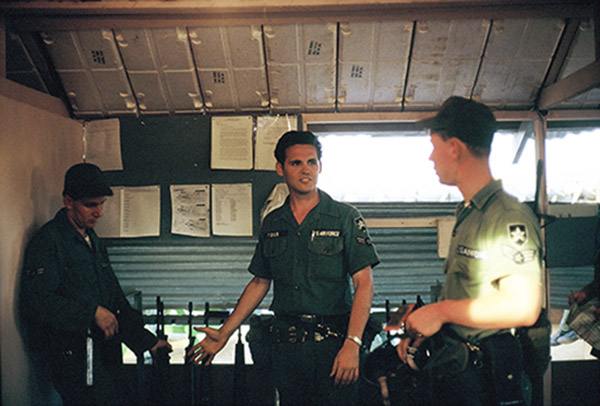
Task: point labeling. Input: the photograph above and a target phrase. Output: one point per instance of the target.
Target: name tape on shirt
(464, 251)
(325, 233)
(276, 234)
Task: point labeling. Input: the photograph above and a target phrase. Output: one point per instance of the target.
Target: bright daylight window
(573, 166)
(395, 167)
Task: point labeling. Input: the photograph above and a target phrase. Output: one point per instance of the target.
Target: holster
(449, 355)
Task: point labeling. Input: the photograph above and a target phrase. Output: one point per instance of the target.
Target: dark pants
(301, 372)
(495, 378)
(68, 374)
(301, 369)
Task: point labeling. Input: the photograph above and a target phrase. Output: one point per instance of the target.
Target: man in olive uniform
(311, 248)
(493, 269)
(69, 293)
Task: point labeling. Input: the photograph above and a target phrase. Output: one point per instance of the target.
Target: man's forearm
(361, 306)
(253, 294)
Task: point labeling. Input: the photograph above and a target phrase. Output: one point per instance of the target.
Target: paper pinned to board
(232, 209)
(131, 212)
(102, 144)
(582, 319)
(268, 131)
(231, 143)
(190, 210)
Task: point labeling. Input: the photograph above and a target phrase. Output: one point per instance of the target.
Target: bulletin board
(175, 151)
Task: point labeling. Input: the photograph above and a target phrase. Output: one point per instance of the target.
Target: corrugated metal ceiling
(390, 61)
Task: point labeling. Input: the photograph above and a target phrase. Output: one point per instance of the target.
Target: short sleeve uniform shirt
(494, 236)
(311, 264)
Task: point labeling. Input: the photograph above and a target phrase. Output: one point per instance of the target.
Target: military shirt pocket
(326, 257)
(275, 260)
(274, 247)
(326, 245)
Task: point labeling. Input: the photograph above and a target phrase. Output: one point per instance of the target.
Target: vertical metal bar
(540, 127)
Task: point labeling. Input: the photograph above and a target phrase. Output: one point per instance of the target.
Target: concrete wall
(38, 142)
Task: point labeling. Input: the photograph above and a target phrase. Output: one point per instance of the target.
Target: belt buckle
(308, 318)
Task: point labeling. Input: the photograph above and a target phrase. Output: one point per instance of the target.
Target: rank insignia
(364, 241)
(35, 272)
(518, 257)
(517, 234)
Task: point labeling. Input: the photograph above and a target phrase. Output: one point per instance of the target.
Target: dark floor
(576, 383)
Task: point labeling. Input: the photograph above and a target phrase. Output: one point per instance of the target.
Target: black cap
(471, 122)
(85, 180)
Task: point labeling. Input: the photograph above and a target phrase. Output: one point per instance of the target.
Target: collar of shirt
(69, 230)
(325, 206)
(478, 201)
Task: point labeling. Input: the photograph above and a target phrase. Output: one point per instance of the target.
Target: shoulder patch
(360, 224)
(517, 234)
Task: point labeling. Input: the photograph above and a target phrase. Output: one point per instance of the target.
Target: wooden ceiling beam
(49, 15)
(576, 83)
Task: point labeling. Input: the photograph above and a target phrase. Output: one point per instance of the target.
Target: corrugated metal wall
(565, 280)
(214, 270)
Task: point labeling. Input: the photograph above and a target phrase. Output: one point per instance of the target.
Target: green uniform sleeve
(40, 292)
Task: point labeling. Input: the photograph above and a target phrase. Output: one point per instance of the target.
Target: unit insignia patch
(517, 234)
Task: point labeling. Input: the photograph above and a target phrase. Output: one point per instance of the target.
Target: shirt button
(298, 233)
(296, 287)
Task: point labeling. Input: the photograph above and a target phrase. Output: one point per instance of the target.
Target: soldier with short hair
(74, 311)
(493, 271)
(311, 249)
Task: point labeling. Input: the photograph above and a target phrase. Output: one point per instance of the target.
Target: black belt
(301, 328)
(312, 318)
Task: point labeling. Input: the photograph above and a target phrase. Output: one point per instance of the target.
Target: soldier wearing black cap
(493, 272)
(70, 294)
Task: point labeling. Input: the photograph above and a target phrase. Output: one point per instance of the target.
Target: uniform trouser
(498, 380)
(68, 374)
(494, 376)
(301, 372)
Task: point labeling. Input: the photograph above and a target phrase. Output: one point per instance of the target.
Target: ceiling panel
(516, 60)
(230, 64)
(445, 60)
(324, 64)
(372, 65)
(283, 50)
(393, 50)
(319, 53)
(161, 69)
(90, 67)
